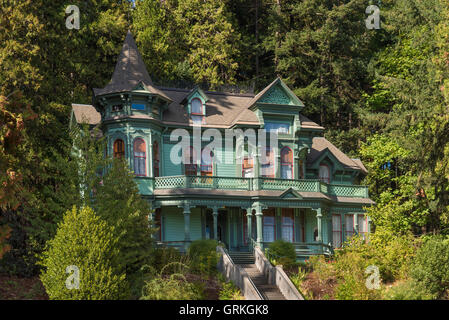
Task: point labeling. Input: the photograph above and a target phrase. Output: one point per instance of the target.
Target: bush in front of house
(203, 256)
(283, 253)
(430, 266)
(85, 241)
(408, 290)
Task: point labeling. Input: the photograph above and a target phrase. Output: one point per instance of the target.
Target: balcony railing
(147, 185)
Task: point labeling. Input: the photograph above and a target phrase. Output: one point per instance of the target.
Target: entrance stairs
(246, 261)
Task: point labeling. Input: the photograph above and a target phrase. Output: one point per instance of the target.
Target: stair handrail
(242, 270)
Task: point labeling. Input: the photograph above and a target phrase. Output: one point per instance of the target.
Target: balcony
(148, 185)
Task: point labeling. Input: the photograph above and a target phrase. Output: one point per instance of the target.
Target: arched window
(140, 157)
(286, 163)
(156, 159)
(190, 167)
(206, 162)
(119, 148)
(197, 106)
(324, 174)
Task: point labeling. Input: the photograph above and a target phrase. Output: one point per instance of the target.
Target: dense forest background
(381, 94)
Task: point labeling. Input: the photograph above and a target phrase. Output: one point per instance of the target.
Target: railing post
(214, 182)
(319, 225)
(249, 216)
(186, 226)
(215, 216)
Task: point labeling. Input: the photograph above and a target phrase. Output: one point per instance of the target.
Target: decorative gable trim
(277, 93)
(193, 93)
(291, 194)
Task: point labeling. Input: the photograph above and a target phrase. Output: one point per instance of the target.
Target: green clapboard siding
(226, 168)
(195, 224)
(169, 168)
(174, 224)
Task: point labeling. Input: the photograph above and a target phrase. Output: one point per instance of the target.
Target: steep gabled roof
(320, 145)
(129, 70)
(85, 113)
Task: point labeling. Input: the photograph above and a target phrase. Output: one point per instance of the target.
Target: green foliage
(283, 252)
(173, 286)
(430, 266)
(163, 256)
(408, 290)
(229, 291)
(191, 40)
(203, 256)
(391, 253)
(86, 241)
(119, 203)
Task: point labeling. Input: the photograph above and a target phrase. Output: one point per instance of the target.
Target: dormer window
(195, 104)
(324, 173)
(197, 107)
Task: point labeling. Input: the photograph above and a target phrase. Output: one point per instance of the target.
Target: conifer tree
(84, 242)
(117, 201)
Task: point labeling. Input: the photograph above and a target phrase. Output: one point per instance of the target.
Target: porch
(147, 185)
(308, 229)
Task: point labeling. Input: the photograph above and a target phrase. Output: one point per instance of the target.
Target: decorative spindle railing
(148, 185)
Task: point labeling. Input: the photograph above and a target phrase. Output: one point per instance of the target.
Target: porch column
(150, 156)
(319, 224)
(215, 216)
(186, 226)
(249, 220)
(259, 215)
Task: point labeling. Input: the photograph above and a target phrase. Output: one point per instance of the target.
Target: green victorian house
(307, 192)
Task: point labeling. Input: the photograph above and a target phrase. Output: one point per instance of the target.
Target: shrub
(173, 286)
(283, 252)
(84, 240)
(408, 290)
(228, 290)
(203, 256)
(430, 267)
(162, 256)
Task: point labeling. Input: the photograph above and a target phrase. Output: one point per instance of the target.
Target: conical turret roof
(129, 70)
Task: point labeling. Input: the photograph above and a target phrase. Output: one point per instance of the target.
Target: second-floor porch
(148, 185)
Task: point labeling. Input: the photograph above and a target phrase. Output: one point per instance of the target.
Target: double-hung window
(140, 157)
(269, 226)
(286, 163)
(288, 227)
(336, 230)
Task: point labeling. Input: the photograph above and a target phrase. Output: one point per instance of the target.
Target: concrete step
(242, 258)
(268, 291)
